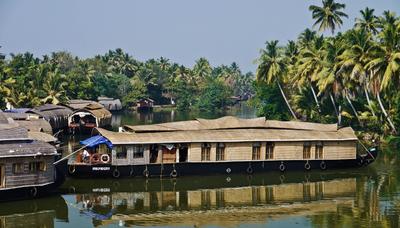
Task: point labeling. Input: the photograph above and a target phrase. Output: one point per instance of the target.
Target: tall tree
(272, 68)
(329, 16)
(368, 21)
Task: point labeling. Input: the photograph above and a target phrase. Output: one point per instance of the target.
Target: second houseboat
(224, 145)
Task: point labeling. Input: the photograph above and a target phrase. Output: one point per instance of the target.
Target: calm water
(367, 197)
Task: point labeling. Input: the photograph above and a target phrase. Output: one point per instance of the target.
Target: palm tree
(271, 69)
(368, 21)
(354, 59)
(202, 69)
(54, 87)
(309, 65)
(385, 65)
(329, 15)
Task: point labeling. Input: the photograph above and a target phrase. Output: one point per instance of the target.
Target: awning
(95, 141)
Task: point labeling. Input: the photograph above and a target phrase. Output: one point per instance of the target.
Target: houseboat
(221, 146)
(110, 104)
(88, 115)
(56, 115)
(26, 164)
(145, 104)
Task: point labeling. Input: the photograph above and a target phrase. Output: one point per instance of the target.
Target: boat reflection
(34, 213)
(221, 201)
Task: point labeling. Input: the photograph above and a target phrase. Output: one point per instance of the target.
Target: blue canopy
(95, 141)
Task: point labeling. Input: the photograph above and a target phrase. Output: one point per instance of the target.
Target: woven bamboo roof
(41, 136)
(230, 122)
(229, 135)
(26, 148)
(49, 111)
(39, 125)
(78, 104)
(96, 110)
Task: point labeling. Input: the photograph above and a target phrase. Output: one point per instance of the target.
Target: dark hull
(31, 192)
(212, 168)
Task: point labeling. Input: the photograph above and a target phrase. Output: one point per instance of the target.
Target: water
(367, 197)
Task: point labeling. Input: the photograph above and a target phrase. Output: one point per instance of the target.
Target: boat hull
(31, 192)
(207, 168)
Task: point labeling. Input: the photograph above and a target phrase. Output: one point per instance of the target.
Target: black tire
(116, 173)
(146, 173)
(322, 165)
(249, 170)
(131, 172)
(228, 170)
(174, 173)
(33, 191)
(71, 169)
(282, 167)
(307, 166)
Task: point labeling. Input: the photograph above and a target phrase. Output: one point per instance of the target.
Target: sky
(223, 31)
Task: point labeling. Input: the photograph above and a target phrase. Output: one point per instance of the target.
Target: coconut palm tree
(54, 87)
(328, 16)
(272, 68)
(368, 21)
(310, 63)
(202, 69)
(354, 59)
(385, 65)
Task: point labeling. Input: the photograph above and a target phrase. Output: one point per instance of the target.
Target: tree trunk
(315, 98)
(385, 113)
(333, 103)
(369, 101)
(287, 102)
(352, 107)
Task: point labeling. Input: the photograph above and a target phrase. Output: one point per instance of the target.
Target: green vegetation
(352, 76)
(27, 81)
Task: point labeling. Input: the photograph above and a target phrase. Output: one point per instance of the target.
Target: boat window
(18, 168)
(37, 166)
(220, 155)
(121, 152)
(256, 151)
(138, 151)
(205, 151)
(269, 150)
(319, 150)
(307, 150)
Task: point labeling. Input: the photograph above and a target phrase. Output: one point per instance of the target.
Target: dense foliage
(28, 81)
(351, 77)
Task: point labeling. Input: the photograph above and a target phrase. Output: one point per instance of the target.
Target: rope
(366, 149)
(76, 151)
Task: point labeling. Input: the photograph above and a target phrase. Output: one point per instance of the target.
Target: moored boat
(225, 145)
(26, 164)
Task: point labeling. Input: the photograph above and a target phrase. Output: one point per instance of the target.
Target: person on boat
(86, 156)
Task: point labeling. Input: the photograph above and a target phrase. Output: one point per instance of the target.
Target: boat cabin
(26, 164)
(110, 104)
(90, 116)
(145, 104)
(224, 145)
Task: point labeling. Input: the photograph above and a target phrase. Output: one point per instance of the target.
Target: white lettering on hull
(100, 168)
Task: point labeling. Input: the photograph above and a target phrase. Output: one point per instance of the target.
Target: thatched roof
(96, 110)
(79, 104)
(230, 122)
(41, 136)
(229, 135)
(110, 103)
(26, 148)
(39, 125)
(50, 111)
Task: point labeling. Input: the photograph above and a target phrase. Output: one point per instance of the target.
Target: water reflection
(217, 200)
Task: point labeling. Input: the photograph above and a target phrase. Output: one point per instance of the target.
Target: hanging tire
(174, 173)
(146, 173)
(33, 192)
(282, 167)
(322, 165)
(360, 162)
(71, 169)
(307, 166)
(131, 172)
(228, 170)
(116, 173)
(249, 170)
